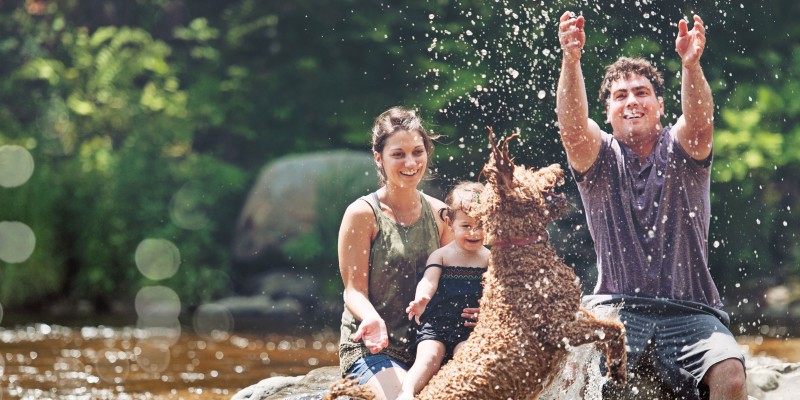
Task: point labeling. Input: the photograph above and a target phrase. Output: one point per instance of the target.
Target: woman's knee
(387, 383)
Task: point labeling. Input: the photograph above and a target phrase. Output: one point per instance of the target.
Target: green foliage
(114, 140)
(756, 162)
(150, 119)
(41, 274)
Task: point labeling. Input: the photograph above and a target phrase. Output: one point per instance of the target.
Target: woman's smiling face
(403, 159)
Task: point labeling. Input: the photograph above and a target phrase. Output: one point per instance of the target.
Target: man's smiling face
(633, 110)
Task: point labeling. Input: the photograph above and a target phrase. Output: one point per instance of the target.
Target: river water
(55, 362)
(41, 361)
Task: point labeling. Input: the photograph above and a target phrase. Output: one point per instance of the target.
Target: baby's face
(467, 231)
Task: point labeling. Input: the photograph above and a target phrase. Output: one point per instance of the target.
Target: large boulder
(290, 192)
(302, 195)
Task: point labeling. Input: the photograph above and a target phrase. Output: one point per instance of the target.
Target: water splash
(580, 378)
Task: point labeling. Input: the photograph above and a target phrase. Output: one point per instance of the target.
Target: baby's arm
(425, 288)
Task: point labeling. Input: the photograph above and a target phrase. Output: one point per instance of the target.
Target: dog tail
(349, 388)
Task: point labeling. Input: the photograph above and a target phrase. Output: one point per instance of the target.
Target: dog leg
(350, 389)
(611, 334)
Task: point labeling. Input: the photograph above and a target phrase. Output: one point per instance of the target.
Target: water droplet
(600, 334)
(187, 210)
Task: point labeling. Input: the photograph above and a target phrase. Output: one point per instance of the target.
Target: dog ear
(499, 170)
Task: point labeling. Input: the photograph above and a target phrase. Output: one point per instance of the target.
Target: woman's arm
(355, 235)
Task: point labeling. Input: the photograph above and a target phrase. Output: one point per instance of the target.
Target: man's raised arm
(695, 128)
(579, 134)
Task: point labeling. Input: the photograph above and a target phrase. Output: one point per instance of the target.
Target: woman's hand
(374, 334)
(416, 308)
(471, 314)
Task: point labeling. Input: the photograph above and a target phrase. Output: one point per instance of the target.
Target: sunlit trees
(150, 119)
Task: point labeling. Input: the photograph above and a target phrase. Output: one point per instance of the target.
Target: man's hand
(690, 43)
(471, 314)
(374, 334)
(571, 35)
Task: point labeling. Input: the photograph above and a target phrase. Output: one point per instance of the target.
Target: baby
(451, 282)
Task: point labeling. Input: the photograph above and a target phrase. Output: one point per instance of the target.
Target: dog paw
(617, 373)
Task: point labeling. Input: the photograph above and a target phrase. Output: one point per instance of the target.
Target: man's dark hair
(626, 66)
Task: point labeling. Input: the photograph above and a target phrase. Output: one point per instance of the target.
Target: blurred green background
(151, 119)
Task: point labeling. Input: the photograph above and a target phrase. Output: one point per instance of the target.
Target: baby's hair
(462, 197)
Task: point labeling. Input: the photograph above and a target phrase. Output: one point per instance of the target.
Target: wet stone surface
(768, 378)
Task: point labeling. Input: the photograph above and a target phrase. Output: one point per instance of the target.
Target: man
(645, 191)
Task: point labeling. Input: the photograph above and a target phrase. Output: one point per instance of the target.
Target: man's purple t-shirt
(649, 220)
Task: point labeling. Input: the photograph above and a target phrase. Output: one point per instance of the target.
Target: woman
(384, 240)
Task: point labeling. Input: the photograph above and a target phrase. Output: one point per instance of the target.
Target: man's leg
(726, 380)
(694, 351)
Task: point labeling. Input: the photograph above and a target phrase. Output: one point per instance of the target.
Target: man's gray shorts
(681, 340)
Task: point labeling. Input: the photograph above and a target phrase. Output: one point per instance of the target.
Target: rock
(767, 379)
(287, 284)
(260, 313)
(296, 194)
(311, 386)
(286, 198)
(283, 301)
(770, 379)
(266, 388)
